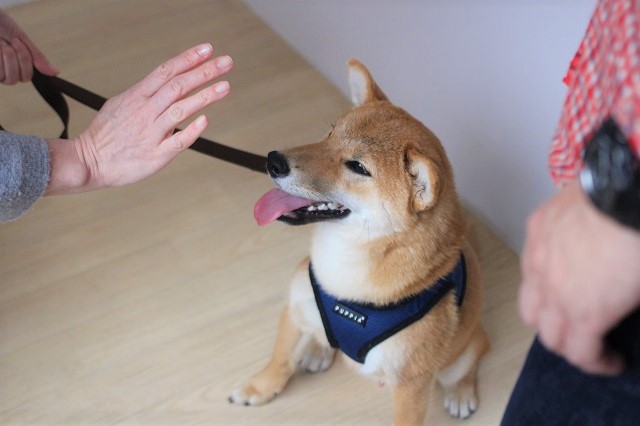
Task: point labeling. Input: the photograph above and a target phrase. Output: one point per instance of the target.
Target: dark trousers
(550, 391)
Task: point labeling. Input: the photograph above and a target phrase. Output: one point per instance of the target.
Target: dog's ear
(425, 180)
(363, 88)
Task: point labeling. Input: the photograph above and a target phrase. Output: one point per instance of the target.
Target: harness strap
(356, 328)
(52, 88)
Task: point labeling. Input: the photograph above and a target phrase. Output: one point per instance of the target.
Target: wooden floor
(148, 304)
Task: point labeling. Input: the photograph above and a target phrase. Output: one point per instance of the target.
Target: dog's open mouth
(292, 210)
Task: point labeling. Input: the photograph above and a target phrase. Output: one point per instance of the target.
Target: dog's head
(378, 167)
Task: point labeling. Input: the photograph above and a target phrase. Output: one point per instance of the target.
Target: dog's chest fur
(341, 262)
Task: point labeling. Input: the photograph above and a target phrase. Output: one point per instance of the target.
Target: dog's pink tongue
(274, 204)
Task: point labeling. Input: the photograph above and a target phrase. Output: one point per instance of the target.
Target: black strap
(52, 88)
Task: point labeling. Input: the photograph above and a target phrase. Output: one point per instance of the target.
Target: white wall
(484, 75)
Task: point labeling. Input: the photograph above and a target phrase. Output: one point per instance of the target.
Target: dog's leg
(410, 399)
(271, 381)
(459, 380)
(317, 358)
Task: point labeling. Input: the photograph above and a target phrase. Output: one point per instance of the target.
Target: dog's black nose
(277, 164)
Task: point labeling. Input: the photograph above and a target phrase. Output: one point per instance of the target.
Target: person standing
(581, 260)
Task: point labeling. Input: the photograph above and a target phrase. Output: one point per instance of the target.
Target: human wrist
(68, 172)
(610, 176)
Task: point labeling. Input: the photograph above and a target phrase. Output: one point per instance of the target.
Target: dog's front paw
(250, 396)
(262, 388)
(317, 358)
(461, 402)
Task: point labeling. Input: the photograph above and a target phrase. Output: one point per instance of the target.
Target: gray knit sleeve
(24, 173)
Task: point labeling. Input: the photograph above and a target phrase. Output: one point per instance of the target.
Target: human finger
(40, 62)
(183, 139)
(551, 326)
(180, 111)
(530, 297)
(11, 67)
(184, 83)
(174, 66)
(588, 352)
(25, 62)
(529, 302)
(2, 74)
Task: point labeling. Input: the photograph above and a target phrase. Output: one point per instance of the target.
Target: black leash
(52, 88)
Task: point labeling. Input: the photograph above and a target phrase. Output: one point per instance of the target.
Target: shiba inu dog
(391, 281)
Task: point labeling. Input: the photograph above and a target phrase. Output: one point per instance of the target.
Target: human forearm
(24, 172)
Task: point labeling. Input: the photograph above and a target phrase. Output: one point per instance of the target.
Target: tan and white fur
(405, 231)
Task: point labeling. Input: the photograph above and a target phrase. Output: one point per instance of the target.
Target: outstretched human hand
(132, 137)
(580, 278)
(18, 54)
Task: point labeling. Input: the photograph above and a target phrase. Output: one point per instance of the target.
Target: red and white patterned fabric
(603, 80)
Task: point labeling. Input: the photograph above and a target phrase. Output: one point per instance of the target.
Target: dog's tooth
(332, 206)
(323, 207)
(312, 208)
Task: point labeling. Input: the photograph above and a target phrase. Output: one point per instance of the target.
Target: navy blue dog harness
(355, 328)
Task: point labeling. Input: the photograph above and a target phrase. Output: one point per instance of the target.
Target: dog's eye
(357, 167)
